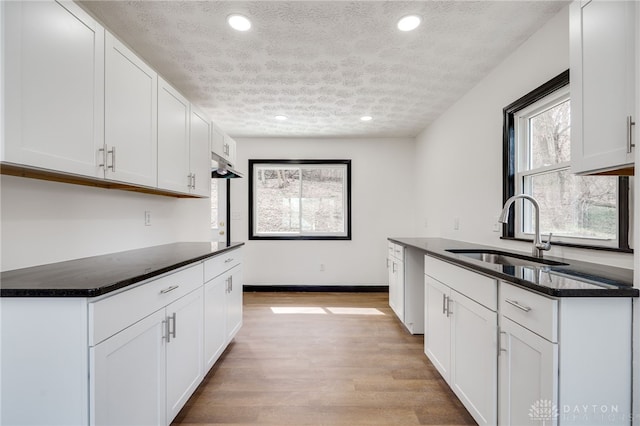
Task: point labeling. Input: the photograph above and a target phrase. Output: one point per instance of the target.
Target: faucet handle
(547, 245)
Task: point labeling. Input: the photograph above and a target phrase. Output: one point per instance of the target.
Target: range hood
(222, 169)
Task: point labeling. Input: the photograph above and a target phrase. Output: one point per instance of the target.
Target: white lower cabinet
(528, 371)
(215, 314)
(460, 341)
(131, 357)
(222, 303)
(128, 375)
(184, 350)
(395, 265)
(517, 357)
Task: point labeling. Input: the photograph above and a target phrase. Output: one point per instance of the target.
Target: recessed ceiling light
(366, 118)
(409, 22)
(239, 22)
(281, 117)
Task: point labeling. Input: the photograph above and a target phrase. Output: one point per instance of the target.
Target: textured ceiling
(324, 64)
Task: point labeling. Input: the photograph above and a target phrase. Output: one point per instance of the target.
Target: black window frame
(509, 170)
(348, 235)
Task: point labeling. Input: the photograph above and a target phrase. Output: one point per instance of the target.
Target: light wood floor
(323, 366)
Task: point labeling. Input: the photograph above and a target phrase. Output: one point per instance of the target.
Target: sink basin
(497, 257)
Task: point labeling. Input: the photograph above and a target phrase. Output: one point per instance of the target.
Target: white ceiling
(324, 63)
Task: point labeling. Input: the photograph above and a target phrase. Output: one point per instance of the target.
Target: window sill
(580, 246)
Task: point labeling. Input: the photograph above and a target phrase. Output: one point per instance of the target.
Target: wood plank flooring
(323, 359)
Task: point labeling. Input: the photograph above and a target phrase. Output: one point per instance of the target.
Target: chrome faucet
(538, 245)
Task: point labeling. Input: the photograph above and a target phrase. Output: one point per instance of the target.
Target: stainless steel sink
(497, 257)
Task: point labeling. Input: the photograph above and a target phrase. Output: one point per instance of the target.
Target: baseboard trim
(318, 288)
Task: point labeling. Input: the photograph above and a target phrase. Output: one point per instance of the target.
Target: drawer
(477, 287)
(395, 251)
(112, 314)
(532, 311)
(221, 263)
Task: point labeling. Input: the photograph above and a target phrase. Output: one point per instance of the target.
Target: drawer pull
(517, 305)
(229, 260)
(168, 289)
(444, 304)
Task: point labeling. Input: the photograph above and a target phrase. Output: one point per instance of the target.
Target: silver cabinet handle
(394, 267)
(228, 260)
(502, 333)
(170, 333)
(230, 283)
(449, 310)
(518, 305)
(168, 289)
(387, 263)
(630, 124)
(103, 150)
(444, 304)
(189, 184)
(194, 181)
(113, 159)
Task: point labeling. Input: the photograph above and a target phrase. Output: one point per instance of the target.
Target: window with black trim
(581, 211)
(300, 199)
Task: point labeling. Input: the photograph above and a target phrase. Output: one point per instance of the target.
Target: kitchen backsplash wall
(45, 222)
(459, 156)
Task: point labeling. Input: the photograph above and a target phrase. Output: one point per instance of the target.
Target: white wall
(382, 200)
(459, 156)
(44, 222)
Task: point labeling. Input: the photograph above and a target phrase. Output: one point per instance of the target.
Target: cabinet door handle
(170, 333)
(394, 266)
(113, 159)
(630, 124)
(387, 263)
(230, 283)
(444, 304)
(502, 333)
(449, 310)
(229, 260)
(194, 181)
(168, 289)
(103, 150)
(518, 305)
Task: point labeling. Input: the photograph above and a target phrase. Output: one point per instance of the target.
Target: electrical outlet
(147, 218)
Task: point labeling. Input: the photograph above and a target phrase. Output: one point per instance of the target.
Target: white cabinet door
(215, 313)
(234, 301)
(396, 287)
(229, 149)
(128, 375)
(528, 375)
(54, 86)
(437, 330)
(173, 139)
(473, 357)
(184, 350)
(200, 153)
(130, 152)
(217, 141)
(603, 56)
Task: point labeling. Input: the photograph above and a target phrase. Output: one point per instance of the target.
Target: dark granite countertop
(98, 275)
(577, 279)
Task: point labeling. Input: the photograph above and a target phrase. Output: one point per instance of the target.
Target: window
(586, 211)
(300, 199)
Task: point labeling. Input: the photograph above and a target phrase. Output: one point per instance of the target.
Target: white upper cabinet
(173, 139)
(223, 145)
(53, 70)
(603, 80)
(130, 151)
(200, 153)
